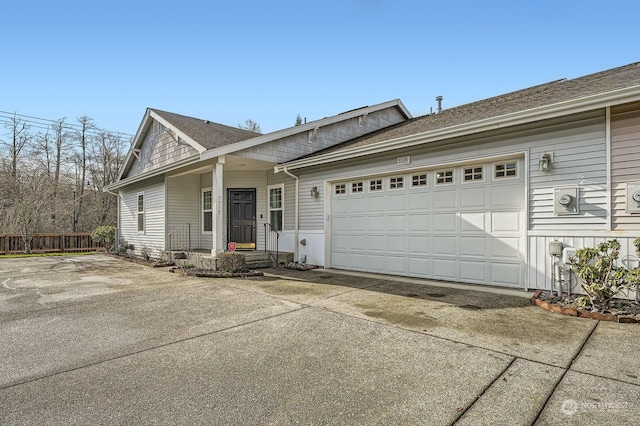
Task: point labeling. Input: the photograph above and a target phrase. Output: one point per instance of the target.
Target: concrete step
(253, 259)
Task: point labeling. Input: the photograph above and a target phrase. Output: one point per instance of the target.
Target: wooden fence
(49, 243)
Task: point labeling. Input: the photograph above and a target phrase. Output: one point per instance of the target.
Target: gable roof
(206, 133)
(306, 127)
(547, 100)
(212, 140)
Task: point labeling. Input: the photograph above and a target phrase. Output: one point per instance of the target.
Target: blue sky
(269, 61)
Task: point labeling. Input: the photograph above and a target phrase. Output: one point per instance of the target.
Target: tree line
(52, 176)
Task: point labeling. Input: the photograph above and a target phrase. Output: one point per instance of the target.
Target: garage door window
(375, 185)
(419, 180)
(396, 182)
(473, 174)
(444, 177)
(340, 189)
(357, 187)
(504, 170)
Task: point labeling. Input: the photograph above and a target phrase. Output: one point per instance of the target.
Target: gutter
(297, 215)
(310, 126)
(601, 100)
(152, 173)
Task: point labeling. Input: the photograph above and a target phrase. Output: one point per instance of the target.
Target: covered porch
(230, 199)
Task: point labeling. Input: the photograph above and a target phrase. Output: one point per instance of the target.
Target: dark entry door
(242, 218)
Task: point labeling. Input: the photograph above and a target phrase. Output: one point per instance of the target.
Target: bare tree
(107, 156)
(42, 150)
(43, 177)
(86, 124)
(19, 137)
(250, 125)
(30, 205)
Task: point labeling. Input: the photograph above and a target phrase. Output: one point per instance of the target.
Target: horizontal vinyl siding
(625, 163)
(579, 149)
(289, 198)
(579, 152)
(154, 205)
(183, 207)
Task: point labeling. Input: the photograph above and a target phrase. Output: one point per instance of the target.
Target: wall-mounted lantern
(314, 192)
(546, 162)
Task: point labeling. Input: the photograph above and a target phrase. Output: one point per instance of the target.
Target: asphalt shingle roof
(207, 133)
(521, 100)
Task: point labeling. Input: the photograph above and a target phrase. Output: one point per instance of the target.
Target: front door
(242, 218)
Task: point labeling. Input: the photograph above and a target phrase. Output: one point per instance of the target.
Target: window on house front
(140, 212)
(508, 169)
(396, 182)
(419, 180)
(357, 187)
(341, 188)
(275, 207)
(444, 176)
(375, 185)
(207, 211)
(472, 173)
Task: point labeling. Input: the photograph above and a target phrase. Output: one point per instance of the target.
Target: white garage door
(462, 223)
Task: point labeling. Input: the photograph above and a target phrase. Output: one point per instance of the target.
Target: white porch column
(217, 189)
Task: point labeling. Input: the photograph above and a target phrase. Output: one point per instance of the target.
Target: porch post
(218, 198)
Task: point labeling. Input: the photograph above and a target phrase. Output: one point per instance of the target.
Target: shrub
(105, 235)
(231, 262)
(145, 252)
(600, 278)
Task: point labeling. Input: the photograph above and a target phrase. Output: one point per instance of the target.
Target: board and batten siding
(184, 207)
(157, 150)
(153, 237)
(625, 163)
(299, 145)
(541, 262)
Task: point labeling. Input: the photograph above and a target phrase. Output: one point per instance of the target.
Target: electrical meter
(565, 200)
(633, 198)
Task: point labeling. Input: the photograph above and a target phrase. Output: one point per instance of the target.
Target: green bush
(105, 235)
(600, 278)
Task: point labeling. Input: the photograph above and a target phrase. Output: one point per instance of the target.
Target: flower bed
(620, 310)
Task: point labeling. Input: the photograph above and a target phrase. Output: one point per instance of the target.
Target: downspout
(296, 231)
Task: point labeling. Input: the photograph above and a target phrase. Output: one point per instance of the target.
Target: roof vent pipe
(439, 100)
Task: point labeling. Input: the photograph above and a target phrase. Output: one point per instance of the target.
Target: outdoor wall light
(314, 192)
(546, 162)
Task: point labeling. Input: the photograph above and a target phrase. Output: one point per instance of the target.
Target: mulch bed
(210, 273)
(620, 310)
(300, 266)
(154, 263)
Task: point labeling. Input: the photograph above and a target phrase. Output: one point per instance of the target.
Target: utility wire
(45, 124)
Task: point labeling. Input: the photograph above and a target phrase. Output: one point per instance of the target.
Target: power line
(45, 124)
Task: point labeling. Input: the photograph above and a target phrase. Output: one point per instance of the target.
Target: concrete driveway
(98, 340)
